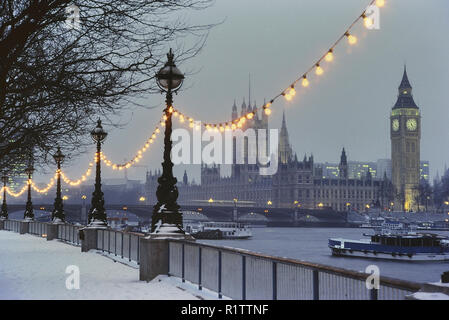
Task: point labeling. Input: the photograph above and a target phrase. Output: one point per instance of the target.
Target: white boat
(218, 230)
(394, 241)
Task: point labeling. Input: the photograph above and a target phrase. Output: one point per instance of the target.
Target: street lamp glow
(141, 199)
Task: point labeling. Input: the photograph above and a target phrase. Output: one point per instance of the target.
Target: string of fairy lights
(288, 93)
(98, 157)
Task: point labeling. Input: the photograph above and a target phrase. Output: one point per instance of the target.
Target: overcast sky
(349, 106)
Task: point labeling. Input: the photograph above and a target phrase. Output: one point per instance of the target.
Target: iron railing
(122, 244)
(69, 233)
(240, 274)
(38, 228)
(12, 225)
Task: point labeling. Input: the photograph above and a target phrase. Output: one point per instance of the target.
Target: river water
(310, 244)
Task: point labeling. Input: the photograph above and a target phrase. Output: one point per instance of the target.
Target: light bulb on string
(329, 56)
(367, 21)
(351, 39)
(287, 97)
(380, 3)
(305, 81)
(318, 70)
(292, 91)
(267, 111)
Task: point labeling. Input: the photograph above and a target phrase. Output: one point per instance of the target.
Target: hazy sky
(276, 41)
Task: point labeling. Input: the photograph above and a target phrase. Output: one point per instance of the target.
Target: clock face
(395, 124)
(411, 124)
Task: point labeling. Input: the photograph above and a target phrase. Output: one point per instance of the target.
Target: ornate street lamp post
(4, 212)
(29, 214)
(58, 214)
(97, 212)
(166, 211)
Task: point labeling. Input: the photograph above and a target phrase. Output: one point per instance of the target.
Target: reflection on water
(310, 244)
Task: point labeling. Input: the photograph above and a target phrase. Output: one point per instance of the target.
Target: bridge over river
(257, 215)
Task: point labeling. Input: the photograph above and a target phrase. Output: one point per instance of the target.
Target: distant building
(359, 169)
(405, 136)
(297, 183)
(354, 169)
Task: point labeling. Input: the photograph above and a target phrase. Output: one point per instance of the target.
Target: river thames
(310, 244)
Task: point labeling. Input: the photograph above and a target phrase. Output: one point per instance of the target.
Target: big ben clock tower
(405, 132)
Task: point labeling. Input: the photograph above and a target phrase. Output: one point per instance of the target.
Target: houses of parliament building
(300, 183)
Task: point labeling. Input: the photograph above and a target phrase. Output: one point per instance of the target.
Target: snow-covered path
(34, 268)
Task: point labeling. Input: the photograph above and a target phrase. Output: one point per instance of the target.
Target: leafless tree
(57, 79)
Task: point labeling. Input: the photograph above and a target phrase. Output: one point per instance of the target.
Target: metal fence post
(169, 260)
(243, 278)
(122, 245)
(102, 240)
(275, 284)
(316, 285)
(129, 247)
(183, 264)
(199, 268)
(115, 243)
(374, 294)
(138, 250)
(219, 275)
(109, 242)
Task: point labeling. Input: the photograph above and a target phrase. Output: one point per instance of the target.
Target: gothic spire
(405, 84)
(405, 98)
(234, 111)
(285, 149)
(243, 107)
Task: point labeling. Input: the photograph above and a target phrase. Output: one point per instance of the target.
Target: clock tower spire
(405, 136)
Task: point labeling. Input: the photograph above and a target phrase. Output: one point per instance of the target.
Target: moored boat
(395, 241)
(218, 230)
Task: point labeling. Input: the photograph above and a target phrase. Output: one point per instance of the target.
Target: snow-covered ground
(34, 268)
